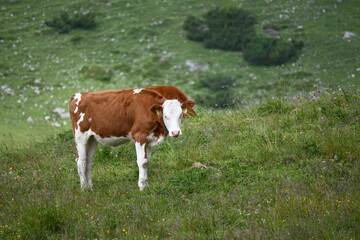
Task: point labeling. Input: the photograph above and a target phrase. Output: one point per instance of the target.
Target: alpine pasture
(281, 163)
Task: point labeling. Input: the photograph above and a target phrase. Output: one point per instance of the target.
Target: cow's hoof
(86, 188)
(142, 184)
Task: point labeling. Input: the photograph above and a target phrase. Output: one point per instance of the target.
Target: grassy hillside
(283, 164)
(281, 170)
(142, 43)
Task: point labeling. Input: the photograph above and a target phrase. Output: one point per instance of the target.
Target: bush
(195, 28)
(81, 19)
(219, 92)
(223, 28)
(233, 29)
(62, 23)
(229, 28)
(96, 72)
(270, 51)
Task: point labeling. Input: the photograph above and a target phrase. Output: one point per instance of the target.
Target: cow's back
(169, 92)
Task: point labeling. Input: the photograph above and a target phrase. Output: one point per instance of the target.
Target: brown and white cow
(114, 117)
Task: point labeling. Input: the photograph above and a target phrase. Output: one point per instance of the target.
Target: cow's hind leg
(90, 152)
(81, 147)
(81, 163)
(142, 163)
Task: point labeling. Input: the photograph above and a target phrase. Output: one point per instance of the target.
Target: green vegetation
(270, 51)
(281, 170)
(80, 19)
(282, 162)
(223, 28)
(143, 43)
(233, 29)
(219, 91)
(96, 72)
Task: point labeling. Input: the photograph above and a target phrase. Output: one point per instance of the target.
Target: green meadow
(283, 163)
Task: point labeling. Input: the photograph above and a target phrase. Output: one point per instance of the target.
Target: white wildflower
(30, 120)
(61, 112)
(348, 35)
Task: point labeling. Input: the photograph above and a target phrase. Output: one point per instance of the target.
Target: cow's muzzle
(175, 133)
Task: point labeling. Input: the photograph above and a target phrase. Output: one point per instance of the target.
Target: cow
(113, 117)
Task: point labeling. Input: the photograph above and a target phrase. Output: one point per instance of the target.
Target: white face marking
(172, 114)
(76, 109)
(138, 90)
(77, 97)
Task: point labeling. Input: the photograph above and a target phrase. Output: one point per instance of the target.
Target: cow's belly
(112, 141)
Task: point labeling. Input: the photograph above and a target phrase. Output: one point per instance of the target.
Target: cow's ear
(157, 109)
(188, 104)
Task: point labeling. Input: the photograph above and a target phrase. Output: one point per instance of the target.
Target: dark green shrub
(223, 28)
(61, 23)
(270, 51)
(219, 91)
(217, 82)
(96, 72)
(83, 19)
(229, 28)
(298, 45)
(80, 19)
(195, 28)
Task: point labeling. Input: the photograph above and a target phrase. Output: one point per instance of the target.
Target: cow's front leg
(142, 162)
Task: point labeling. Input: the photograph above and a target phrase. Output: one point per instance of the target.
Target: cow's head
(171, 112)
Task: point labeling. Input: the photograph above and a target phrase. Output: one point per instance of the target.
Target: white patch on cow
(112, 141)
(90, 119)
(172, 114)
(76, 109)
(80, 119)
(153, 140)
(77, 97)
(138, 90)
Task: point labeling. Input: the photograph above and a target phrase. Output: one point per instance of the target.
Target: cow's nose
(175, 133)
